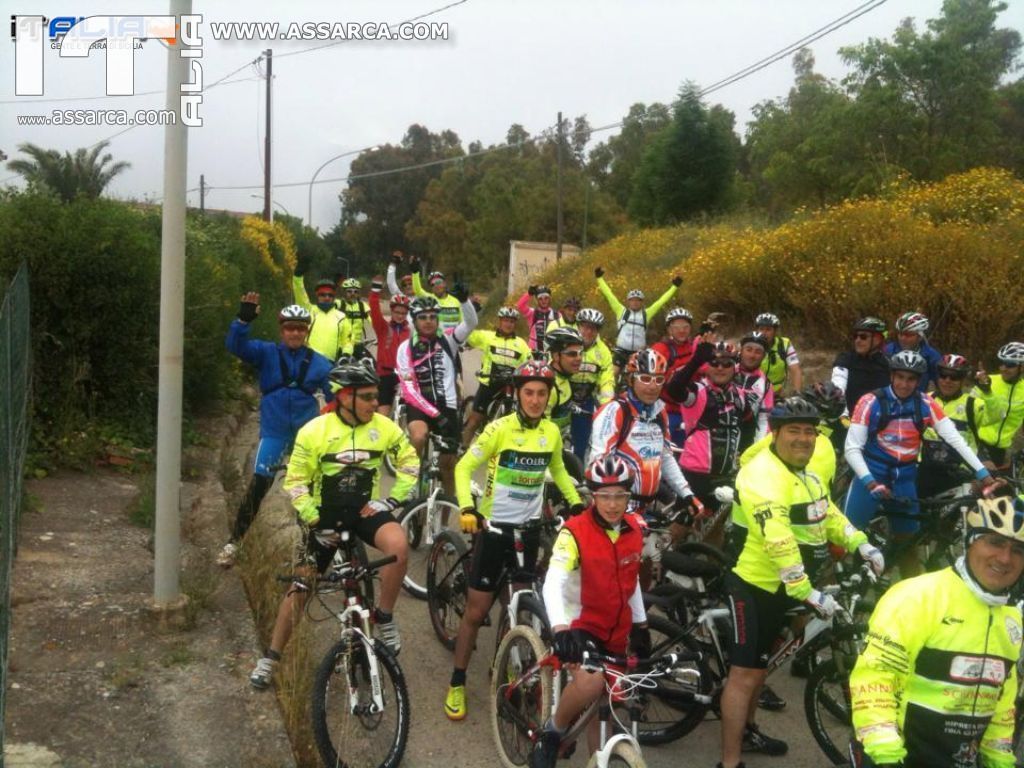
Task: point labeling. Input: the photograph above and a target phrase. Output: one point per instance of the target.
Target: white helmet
(1012, 353)
(590, 315)
(678, 313)
(767, 318)
(1003, 515)
(293, 313)
(636, 293)
(508, 313)
(912, 322)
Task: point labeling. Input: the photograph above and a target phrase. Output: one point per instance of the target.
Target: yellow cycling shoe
(455, 702)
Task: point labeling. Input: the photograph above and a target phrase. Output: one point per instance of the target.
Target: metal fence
(15, 400)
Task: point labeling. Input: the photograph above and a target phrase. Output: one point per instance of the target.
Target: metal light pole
(309, 213)
(287, 212)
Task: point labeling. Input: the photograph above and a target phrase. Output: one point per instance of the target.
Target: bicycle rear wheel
(347, 726)
(827, 706)
(670, 711)
(447, 582)
(519, 705)
(422, 522)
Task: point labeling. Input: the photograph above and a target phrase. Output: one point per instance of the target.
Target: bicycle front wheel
(447, 582)
(422, 521)
(349, 727)
(623, 754)
(520, 703)
(827, 706)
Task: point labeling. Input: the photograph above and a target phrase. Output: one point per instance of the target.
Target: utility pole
(268, 212)
(202, 193)
(558, 247)
(586, 213)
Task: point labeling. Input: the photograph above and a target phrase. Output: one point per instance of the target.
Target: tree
(688, 169)
(612, 164)
(68, 176)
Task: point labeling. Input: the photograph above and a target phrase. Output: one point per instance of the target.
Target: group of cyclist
(681, 417)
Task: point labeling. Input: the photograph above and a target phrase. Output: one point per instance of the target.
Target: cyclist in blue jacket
(911, 333)
(290, 376)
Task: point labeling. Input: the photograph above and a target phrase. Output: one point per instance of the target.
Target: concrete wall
(526, 261)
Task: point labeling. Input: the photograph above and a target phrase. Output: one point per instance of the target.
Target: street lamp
(309, 215)
(260, 197)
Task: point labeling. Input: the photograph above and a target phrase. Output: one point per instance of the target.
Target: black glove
(599, 272)
(575, 509)
(566, 648)
(677, 281)
(414, 263)
(640, 641)
(301, 264)
(247, 311)
(477, 305)
(396, 257)
(460, 291)
(532, 290)
(704, 352)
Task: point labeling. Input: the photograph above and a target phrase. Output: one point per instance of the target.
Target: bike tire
(530, 613)
(623, 754)
(447, 582)
(531, 701)
(344, 662)
(820, 704)
(422, 526)
(679, 713)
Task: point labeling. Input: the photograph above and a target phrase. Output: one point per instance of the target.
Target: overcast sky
(504, 62)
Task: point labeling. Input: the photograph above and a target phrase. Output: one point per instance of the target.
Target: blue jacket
(929, 353)
(285, 406)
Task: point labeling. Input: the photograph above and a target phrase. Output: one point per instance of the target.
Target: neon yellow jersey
(329, 334)
(450, 309)
(791, 521)
(936, 682)
(559, 408)
(595, 379)
(1005, 402)
(501, 354)
(560, 322)
(336, 465)
(779, 357)
(517, 457)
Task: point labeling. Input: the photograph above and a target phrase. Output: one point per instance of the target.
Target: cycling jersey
(791, 522)
(594, 381)
(560, 404)
(857, 374)
(501, 354)
(392, 280)
(676, 354)
(357, 313)
(537, 320)
(1005, 401)
(967, 413)
(288, 380)
(638, 434)
(779, 357)
(427, 366)
(935, 685)
(632, 325)
(760, 397)
(593, 582)
(389, 335)
(517, 459)
(329, 333)
(711, 418)
(450, 310)
(335, 467)
(561, 322)
(931, 355)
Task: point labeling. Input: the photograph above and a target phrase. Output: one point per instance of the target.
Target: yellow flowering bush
(273, 244)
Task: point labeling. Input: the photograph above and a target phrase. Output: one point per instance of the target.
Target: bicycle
(526, 686)
(448, 582)
(360, 699)
(397, 416)
(502, 404)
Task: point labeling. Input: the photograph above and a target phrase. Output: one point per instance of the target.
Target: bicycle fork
(356, 620)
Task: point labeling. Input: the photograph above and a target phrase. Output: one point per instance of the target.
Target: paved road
(435, 741)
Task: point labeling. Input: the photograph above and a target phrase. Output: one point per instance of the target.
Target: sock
(550, 726)
(458, 678)
(272, 655)
(382, 618)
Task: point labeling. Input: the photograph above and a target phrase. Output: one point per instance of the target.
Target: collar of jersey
(644, 411)
(988, 598)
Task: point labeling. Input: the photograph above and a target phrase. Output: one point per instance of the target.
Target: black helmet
(350, 372)
(870, 324)
(563, 337)
(827, 398)
(755, 337)
(423, 304)
(793, 410)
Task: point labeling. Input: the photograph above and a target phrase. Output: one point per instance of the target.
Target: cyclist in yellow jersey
(792, 521)
(449, 313)
(567, 315)
(333, 482)
(358, 313)
(935, 684)
(781, 362)
(1003, 395)
(329, 332)
(503, 352)
(565, 348)
(594, 384)
(518, 450)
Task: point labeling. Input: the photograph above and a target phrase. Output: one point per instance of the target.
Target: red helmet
(533, 370)
(955, 363)
(647, 360)
(400, 300)
(608, 470)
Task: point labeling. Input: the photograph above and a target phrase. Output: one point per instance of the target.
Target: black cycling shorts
(493, 553)
(452, 431)
(757, 619)
(482, 399)
(388, 387)
(311, 552)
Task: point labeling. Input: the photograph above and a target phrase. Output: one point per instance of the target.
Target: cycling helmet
(1012, 353)
(678, 313)
(325, 282)
(767, 318)
(573, 302)
(590, 315)
(912, 322)
(955, 363)
(647, 360)
(508, 313)
(755, 337)
(351, 284)
(350, 372)
(827, 398)
(563, 337)
(293, 313)
(608, 470)
(542, 290)
(422, 304)
(435, 276)
(533, 370)
(1003, 515)
(908, 360)
(636, 293)
(400, 300)
(871, 324)
(724, 349)
(793, 410)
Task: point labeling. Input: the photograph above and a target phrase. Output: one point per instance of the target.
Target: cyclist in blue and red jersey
(911, 328)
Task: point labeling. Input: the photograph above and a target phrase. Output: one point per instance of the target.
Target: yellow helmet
(1003, 515)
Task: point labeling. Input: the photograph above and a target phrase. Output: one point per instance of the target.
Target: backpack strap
(287, 381)
(627, 422)
(884, 416)
(972, 423)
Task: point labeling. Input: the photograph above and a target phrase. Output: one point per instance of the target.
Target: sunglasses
(351, 291)
(952, 376)
(650, 378)
(862, 336)
(437, 282)
(368, 397)
(571, 353)
(430, 316)
(722, 364)
(619, 497)
(1008, 365)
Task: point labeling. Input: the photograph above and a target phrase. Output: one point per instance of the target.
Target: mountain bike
(526, 684)
(360, 700)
